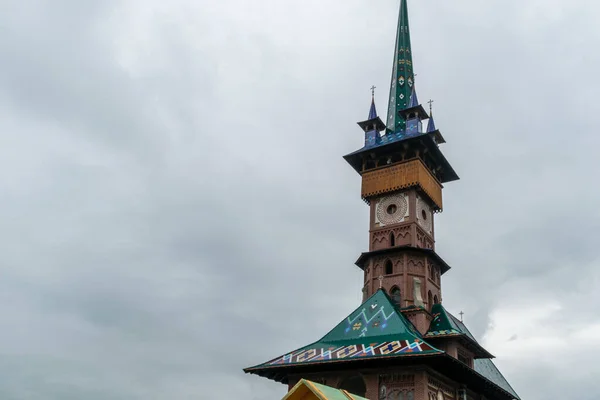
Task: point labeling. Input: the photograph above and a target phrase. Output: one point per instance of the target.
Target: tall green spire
(403, 77)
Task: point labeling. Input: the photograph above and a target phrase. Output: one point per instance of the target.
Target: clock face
(391, 209)
(424, 215)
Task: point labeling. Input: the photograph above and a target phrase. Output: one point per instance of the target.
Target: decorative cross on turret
(430, 106)
(380, 281)
(373, 90)
(461, 316)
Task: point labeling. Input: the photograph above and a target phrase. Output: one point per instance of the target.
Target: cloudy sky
(175, 207)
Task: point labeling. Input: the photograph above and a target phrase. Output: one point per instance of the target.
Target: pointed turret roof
(376, 329)
(403, 77)
(373, 122)
(372, 110)
(446, 325)
(414, 100)
(431, 125)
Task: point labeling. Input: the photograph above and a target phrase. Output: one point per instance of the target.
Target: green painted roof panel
(375, 329)
(442, 323)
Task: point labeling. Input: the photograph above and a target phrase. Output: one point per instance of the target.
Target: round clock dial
(392, 209)
(424, 215)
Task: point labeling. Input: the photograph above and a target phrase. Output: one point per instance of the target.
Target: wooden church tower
(401, 343)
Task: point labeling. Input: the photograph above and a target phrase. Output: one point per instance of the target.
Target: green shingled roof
(446, 325)
(375, 329)
(442, 324)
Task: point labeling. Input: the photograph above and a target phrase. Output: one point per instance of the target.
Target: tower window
(424, 215)
(464, 358)
(396, 296)
(392, 239)
(389, 267)
(392, 208)
(435, 300)
(430, 300)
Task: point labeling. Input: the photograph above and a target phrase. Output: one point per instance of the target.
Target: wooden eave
(422, 142)
(478, 350)
(442, 363)
(364, 257)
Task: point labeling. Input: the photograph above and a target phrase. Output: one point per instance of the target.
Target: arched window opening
(396, 296)
(389, 267)
(435, 300)
(392, 239)
(355, 385)
(430, 300)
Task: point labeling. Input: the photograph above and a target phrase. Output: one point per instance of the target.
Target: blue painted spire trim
(431, 125)
(414, 101)
(373, 110)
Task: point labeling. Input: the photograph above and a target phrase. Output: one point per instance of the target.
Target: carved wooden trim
(436, 384)
(401, 176)
(397, 378)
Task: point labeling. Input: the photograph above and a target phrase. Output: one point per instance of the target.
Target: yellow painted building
(307, 390)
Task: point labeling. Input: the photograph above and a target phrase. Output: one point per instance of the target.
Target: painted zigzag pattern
(352, 351)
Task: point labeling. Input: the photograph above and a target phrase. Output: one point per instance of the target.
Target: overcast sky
(175, 206)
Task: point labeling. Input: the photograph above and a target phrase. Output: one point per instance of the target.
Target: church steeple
(401, 343)
(403, 77)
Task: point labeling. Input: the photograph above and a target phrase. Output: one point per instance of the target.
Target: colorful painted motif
(444, 332)
(371, 317)
(375, 329)
(442, 323)
(353, 351)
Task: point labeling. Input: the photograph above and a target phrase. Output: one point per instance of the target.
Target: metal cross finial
(380, 281)
(430, 106)
(373, 90)
(461, 316)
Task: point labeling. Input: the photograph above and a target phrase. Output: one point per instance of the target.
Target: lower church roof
(377, 330)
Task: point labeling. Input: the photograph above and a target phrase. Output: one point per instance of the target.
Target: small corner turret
(373, 125)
